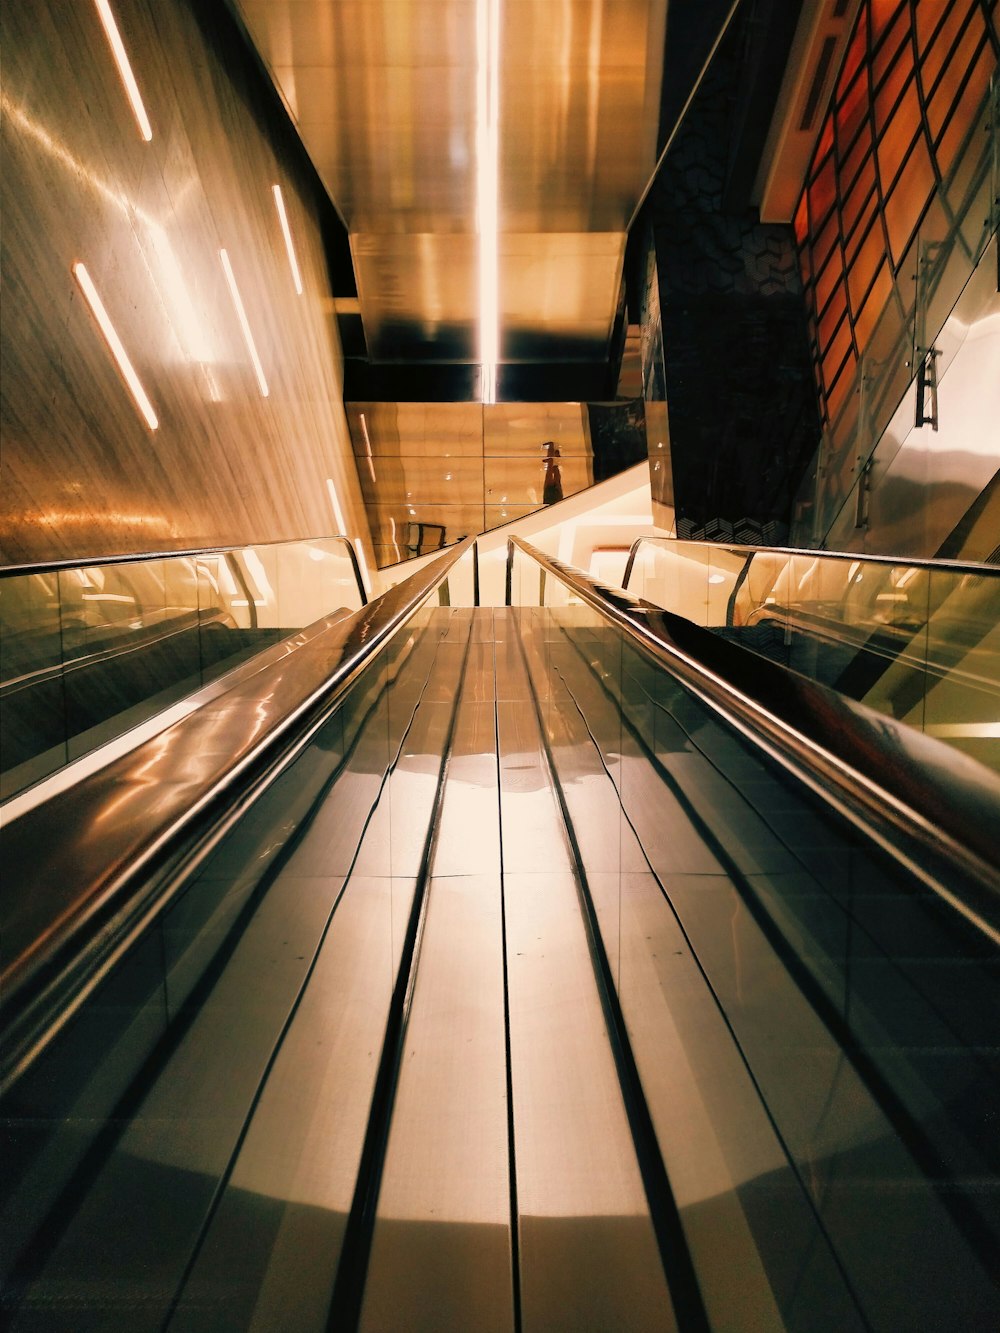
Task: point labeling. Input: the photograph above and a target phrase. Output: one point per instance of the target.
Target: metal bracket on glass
(927, 390)
(864, 495)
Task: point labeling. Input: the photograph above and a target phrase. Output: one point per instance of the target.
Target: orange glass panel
(855, 53)
(909, 198)
(949, 88)
(871, 311)
(842, 382)
(889, 50)
(870, 255)
(936, 45)
(839, 347)
(860, 153)
(851, 111)
(854, 241)
(827, 278)
(857, 201)
(884, 13)
(887, 95)
(895, 144)
(965, 115)
(801, 223)
(824, 223)
(825, 141)
(831, 317)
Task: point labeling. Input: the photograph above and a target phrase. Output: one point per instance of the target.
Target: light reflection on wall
(186, 322)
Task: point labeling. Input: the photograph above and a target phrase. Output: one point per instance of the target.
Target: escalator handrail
(105, 873)
(928, 805)
(736, 548)
(188, 553)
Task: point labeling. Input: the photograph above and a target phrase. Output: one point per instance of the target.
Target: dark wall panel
(84, 474)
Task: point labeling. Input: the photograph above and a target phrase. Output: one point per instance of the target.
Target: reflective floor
(532, 998)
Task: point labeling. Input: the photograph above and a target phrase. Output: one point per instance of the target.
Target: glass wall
(897, 208)
(825, 1118)
(918, 642)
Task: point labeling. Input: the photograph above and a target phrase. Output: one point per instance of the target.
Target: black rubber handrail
(917, 562)
(929, 806)
(141, 557)
(99, 861)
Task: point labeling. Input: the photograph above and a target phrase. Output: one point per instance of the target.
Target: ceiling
(420, 115)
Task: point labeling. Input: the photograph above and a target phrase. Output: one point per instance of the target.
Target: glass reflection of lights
(241, 314)
(338, 513)
(368, 448)
(124, 68)
(293, 262)
(487, 189)
(716, 578)
(115, 344)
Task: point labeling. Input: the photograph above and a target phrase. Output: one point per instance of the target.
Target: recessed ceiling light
(293, 263)
(234, 292)
(124, 68)
(115, 344)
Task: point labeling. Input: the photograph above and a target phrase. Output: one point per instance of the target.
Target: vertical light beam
(293, 262)
(488, 189)
(241, 314)
(124, 68)
(115, 344)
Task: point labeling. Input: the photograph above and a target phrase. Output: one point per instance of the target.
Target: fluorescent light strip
(234, 292)
(124, 68)
(115, 343)
(368, 448)
(293, 263)
(487, 189)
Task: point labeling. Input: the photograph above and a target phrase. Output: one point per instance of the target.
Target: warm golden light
(124, 68)
(338, 513)
(293, 262)
(234, 292)
(487, 190)
(115, 344)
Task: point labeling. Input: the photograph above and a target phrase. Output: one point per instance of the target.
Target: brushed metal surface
(83, 474)
(384, 95)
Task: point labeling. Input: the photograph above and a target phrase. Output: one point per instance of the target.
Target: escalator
(528, 992)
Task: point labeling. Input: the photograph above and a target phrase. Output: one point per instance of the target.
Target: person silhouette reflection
(552, 485)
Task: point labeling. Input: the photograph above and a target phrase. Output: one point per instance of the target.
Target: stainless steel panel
(385, 98)
(432, 480)
(521, 481)
(520, 428)
(446, 430)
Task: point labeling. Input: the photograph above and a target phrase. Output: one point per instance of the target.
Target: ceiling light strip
(293, 262)
(488, 189)
(234, 292)
(115, 344)
(124, 68)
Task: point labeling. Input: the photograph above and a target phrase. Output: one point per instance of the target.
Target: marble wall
(83, 472)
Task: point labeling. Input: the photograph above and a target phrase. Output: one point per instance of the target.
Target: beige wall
(83, 474)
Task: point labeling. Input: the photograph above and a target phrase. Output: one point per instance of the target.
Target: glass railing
(842, 1080)
(916, 640)
(91, 650)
